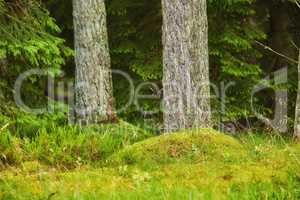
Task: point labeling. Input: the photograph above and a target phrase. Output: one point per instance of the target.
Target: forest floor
(199, 164)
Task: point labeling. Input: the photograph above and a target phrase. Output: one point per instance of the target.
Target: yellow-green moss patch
(194, 146)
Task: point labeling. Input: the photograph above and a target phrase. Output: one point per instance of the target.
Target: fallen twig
(4, 127)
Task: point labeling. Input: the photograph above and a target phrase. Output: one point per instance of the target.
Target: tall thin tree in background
(93, 82)
(297, 111)
(186, 65)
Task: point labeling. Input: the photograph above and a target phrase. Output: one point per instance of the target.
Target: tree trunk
(297, 111)
(93, 82)
(3, 71)
(280, 36)
(186, 67)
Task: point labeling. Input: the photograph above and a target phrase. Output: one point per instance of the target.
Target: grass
(68, 147)
(122, 161)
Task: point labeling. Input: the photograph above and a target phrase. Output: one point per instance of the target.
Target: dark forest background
(40, 35)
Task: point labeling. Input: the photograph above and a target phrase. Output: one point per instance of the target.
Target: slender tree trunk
(297, 111)
(186, 66)
(3, 68)
(93, 82)
(280, 36)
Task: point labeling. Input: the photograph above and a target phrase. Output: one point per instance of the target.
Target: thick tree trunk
(93, 82)
(297, 111)
(186, 70)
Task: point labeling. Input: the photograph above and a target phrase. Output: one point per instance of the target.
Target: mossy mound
(194, 146)
(200, 164)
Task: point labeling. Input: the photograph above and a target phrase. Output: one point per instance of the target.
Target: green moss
(209, 180)
(196, 164)
(194, 146)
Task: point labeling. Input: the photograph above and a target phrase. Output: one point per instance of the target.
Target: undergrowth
(41, 157)
(49, 140)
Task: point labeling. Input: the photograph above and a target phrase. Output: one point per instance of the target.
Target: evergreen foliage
(29, 39)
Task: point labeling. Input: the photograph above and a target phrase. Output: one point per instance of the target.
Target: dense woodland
(90, 88)
(40, 35)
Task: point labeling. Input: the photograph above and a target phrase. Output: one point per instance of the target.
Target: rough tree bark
(93, 82)
(186, 65)
(297, 111)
